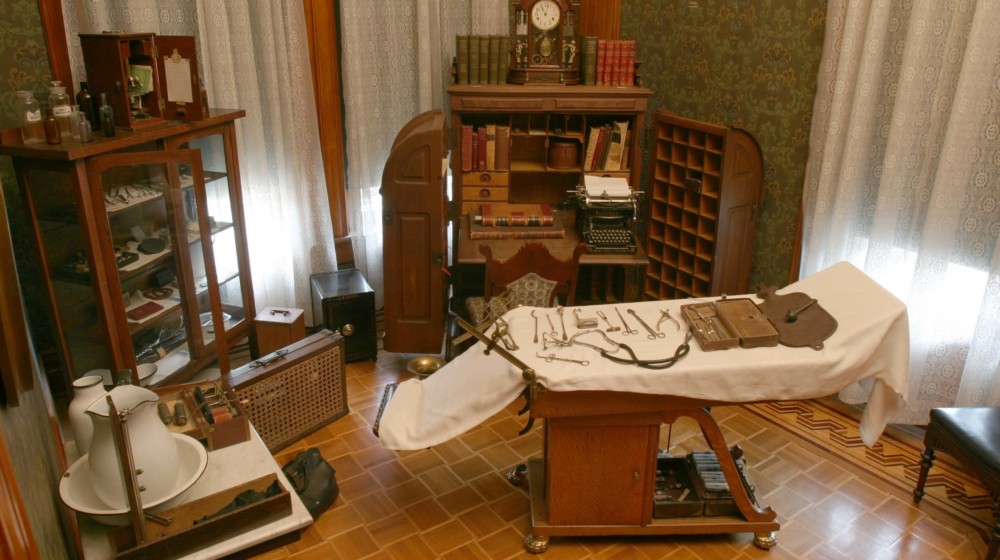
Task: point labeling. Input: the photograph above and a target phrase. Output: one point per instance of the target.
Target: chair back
(533, 257)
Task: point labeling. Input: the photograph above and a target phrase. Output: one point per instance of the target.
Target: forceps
(652, 334)
(551, 357)
(628, 329)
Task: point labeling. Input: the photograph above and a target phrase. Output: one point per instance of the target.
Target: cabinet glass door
(157, 273)
(224, 214)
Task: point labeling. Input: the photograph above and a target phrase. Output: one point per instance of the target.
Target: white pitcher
(86, 390)
(154, 450)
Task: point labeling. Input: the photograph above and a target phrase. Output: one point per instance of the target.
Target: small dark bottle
(51, 125)
(85, 102)
(107, 117)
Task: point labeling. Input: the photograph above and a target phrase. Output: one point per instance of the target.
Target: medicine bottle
(59, 103)
(84, 127)
(32, 131)
(107, 115)
(51, 124)
(86, 103)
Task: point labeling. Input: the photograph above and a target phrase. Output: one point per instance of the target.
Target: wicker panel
(300, 396)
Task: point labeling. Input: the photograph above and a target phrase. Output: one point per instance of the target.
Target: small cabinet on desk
(142, 246)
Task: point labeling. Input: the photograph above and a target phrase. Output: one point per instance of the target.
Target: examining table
(603, 419)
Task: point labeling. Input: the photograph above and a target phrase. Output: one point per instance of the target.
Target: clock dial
(545, 15)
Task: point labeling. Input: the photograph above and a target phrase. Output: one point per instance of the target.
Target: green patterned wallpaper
(751, 64)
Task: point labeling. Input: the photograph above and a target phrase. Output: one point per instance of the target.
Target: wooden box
(346, 304)
(223, 430)
(277, 327)
(727, 323)
(294, 391)
(183, 535)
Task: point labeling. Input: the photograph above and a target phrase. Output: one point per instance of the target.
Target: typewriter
(605, 214)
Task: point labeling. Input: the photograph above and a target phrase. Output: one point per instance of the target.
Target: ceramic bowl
(146, 372)
(77, 492)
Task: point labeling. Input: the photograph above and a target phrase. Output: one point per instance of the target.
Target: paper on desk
(609, 187)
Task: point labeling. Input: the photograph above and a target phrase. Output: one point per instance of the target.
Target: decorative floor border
(894, 459)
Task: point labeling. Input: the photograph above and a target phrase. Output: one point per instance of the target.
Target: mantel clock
(544, 36)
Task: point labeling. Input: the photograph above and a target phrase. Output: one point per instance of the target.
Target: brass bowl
(422, 366)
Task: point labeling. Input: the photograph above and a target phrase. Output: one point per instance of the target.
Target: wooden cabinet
(704, 189)
(142, 244)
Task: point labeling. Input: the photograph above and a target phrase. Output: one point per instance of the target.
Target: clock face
(545, 15)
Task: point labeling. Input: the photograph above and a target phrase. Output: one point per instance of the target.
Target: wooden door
(414, 228)
(743, 173)
(600, 470)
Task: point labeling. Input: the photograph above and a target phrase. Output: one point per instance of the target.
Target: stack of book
(515, 221)
(607, 147)
(482, 59)
(485, 147)
(608, 62)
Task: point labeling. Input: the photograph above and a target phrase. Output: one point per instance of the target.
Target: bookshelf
(704, 189)
(547, 125)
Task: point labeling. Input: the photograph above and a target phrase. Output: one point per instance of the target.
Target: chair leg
(926, 462)
(994, 546)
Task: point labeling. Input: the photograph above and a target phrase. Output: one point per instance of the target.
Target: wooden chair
(971, 435)
(514, 277)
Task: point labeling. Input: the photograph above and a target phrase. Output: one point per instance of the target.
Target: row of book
(485, 147)
(608, 62)
(482, 59)
(607, 147)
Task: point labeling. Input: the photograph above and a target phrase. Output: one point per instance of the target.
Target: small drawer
(501, 178)
(484, 194)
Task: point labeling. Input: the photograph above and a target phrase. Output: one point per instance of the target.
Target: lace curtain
(253, 56)
(396, 63)
(904, 181)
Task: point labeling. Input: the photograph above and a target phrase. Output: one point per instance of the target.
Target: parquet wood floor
(453, 502)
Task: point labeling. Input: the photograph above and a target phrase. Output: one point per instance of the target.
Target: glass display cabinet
(142, 244)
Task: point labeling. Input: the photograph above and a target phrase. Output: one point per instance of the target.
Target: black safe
(346, 304)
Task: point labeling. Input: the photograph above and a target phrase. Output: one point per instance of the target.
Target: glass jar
(32, 130)
(59, 104)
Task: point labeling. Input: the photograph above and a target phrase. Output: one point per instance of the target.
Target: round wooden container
(564, 154)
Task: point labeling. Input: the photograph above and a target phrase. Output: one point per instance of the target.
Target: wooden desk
(468, 254)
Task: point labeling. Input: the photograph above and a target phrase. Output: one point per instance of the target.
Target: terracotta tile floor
(453, 501)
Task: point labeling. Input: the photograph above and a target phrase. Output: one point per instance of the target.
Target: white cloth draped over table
(870, 347)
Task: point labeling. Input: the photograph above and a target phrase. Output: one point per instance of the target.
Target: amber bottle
(52, 135)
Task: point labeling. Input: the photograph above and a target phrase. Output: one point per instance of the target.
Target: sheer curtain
(253, 56)
(904, 181)
(396, 64)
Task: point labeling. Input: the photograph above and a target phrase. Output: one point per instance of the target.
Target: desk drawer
(486, 178)
(473, 197)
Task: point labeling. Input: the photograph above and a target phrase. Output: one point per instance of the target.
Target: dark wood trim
(16, 540)
(324, 57)
(55, 42)
(600, 18)
(795, 268)
(15, 350)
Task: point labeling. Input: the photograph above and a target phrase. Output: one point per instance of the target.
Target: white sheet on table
(871, 345)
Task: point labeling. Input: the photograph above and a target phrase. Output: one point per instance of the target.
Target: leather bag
(314, 480)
